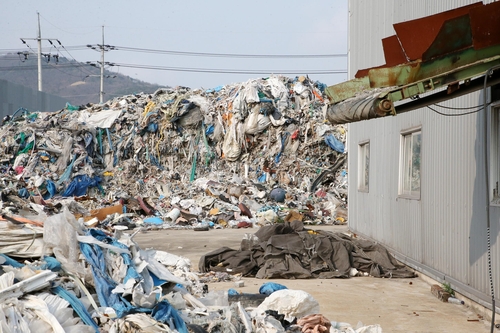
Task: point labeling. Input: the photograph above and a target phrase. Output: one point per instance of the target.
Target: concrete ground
(397, 305)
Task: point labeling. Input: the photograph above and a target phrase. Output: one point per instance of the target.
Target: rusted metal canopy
(427, 53)
(416, 36)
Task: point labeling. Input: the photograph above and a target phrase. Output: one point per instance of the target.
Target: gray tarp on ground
(291, 251)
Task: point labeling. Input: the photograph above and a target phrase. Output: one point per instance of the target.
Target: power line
(31, 67)
(229, 55)
(229, 71)
(199, 54)
(184, 69)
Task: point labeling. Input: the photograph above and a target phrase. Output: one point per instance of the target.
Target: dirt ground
(397, 305)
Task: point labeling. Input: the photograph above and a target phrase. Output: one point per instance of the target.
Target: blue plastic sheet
(104, 284)
(51, 189)
(262, 178)
(51, 263)
(153, 127)
(165, 313)
(88, 138)
(80, 184)
(153, 220)
(321, 86)
(77, 305)
(11, 262)
(210, 129)
(232, 292)
(333, 143)
(283, 139)
(216, 89)
(270, 287)
(155, 161)
(23, 193)
(67, 173)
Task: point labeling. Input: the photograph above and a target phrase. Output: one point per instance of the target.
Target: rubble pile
(72, 181)
(88, 280)
(232, 156)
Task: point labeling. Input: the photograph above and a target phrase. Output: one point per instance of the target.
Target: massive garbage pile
(235, 156)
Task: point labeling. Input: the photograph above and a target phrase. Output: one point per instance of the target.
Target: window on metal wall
(409, 180)
(364, 166)
(495, 145)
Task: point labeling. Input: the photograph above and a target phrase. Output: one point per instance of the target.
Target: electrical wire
(84, 72)
(228, 71)
(462, 108)
(52, 66)
(454, 114)
(32, 67)
(69, 32)
(230, 55)
(487, 189)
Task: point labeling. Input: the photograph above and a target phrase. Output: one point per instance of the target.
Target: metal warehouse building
(418, 179)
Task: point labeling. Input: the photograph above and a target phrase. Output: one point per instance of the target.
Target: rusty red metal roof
(475, 26)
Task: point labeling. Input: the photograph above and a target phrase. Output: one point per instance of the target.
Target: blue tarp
(77, 305)
(10, 261)
(270, 287)
(165, 313)
(104, 284)
(333, 143)
(51, 189)
(80, 184)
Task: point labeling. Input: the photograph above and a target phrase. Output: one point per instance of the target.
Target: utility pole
(101, 94)
(39, 39)
(39, 52)
(103, 48)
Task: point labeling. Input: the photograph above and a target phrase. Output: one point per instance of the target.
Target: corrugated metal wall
(13, 96)
(443, 233)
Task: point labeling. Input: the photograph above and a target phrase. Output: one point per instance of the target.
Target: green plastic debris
(70, 107)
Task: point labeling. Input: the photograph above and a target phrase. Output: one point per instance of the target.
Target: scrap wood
(19, 220)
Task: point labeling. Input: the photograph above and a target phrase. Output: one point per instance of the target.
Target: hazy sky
(316, 27)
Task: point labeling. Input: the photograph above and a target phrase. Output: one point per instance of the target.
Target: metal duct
(360, 108)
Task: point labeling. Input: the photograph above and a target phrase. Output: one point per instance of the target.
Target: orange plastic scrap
(318, 96)
(19, 220)
(227, 117)
(315, 323)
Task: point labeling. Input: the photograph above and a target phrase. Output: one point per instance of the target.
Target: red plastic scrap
(144, 207)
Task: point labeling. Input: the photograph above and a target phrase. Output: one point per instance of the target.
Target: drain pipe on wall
(486, 166)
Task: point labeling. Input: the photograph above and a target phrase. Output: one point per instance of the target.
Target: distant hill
(78, 83)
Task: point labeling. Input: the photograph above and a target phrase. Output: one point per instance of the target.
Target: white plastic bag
(291, 303)
(231, 147)
(60, 234)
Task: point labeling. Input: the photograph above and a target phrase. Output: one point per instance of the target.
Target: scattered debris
(74, 180)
